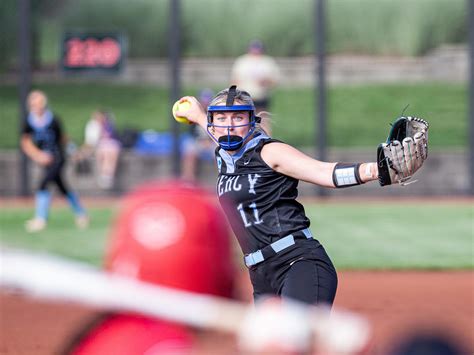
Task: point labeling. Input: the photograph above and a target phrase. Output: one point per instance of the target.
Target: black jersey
(47, 136)
(260, 203)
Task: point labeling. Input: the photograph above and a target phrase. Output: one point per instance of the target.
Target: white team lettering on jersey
(252, 182)
(228, 183)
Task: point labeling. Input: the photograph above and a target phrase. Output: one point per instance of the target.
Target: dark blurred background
(379, 57)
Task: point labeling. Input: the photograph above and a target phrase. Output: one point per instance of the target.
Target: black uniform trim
(259, 202)
(47, 138)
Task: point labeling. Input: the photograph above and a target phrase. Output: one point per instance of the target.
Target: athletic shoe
(35, 225)
(82, 221)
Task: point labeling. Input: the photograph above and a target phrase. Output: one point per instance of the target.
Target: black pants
(53, 173)
(303, 272)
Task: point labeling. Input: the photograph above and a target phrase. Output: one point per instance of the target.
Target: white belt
(281, 244)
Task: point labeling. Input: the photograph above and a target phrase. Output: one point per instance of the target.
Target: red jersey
(132, 335)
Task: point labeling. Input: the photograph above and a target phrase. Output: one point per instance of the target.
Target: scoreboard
(93, 52)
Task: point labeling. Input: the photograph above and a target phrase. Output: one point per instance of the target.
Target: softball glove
(404, 152)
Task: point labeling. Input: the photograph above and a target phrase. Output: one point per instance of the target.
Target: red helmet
(173, 235)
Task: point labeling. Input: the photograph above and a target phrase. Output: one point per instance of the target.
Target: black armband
(346, 174)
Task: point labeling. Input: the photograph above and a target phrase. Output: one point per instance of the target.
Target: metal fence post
(470, 23)
(24, 46)
(174, 40)
(320, 99)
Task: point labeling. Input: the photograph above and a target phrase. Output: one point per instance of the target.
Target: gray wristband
(346, 175)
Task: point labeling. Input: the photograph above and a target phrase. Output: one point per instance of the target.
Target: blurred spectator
(43, 141)
(423, 342)
(257, 73)
(171, 235)
(101, 139)
(199, 147)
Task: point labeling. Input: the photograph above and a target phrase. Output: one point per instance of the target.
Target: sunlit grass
(370, 236)
(358, 116)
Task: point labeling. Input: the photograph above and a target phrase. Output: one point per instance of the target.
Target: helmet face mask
(229, 141)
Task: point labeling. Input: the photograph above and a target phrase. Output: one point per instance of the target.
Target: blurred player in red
(172, 235)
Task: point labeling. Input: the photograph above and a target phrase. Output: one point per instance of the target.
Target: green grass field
(372, 236)
(380, 236)
(367, 110)
(61, 237)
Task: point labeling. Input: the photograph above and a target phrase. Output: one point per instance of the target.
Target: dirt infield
(396, 304)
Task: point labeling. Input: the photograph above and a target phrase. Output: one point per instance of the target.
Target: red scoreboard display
(92, 52)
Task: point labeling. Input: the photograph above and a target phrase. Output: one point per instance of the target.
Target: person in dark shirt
(42, 140)
(259, 176)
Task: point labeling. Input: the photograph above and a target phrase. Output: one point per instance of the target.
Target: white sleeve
(274, 70)
(92, 133)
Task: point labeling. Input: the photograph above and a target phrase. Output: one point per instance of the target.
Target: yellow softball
(181, 106)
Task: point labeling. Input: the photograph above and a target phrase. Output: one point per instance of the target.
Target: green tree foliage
(224, 28)
(8, 30)
(9, 25)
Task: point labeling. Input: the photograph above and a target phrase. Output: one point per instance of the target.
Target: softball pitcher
(257, 186)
